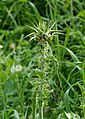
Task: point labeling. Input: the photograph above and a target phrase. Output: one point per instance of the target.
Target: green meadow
(42, 59)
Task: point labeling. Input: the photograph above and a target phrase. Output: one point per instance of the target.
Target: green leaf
(16, 115)
(82, 14)
(37, 14)
(10, 86)
(74, 57)
(66, 100)
(71, 115)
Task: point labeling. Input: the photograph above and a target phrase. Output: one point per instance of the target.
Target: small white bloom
(1, 46)
(18, 68)
(12, 45)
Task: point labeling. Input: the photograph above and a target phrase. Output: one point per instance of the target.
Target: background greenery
(42, 62)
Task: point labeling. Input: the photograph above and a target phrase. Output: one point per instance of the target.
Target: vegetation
(42, 59)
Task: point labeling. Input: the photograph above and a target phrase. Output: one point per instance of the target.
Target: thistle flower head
(43, 32)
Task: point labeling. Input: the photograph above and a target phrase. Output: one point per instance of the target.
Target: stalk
(83, 94)
(55, 5)
(5, 112)
(22, 104)
(40, 103)
(21, 96)
(71, 3)
(84, 106)
(34, 105)
(41, 85)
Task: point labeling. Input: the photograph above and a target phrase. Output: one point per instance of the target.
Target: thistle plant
(42, 34)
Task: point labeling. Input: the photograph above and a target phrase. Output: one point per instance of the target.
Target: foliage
(42, 65)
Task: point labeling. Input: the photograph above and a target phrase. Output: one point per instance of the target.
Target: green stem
(34, 105)
(5, 112)
(72, 13)
(40, 103)
(41, 86)
(55, 19)
(22, 103)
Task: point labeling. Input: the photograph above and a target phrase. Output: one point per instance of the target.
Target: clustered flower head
(43, 32)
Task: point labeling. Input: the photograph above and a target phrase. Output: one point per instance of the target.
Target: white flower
(1, 46)
(12, 45)
(16, 68)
